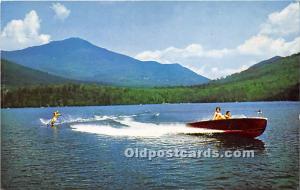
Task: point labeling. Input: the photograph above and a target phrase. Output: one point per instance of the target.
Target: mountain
(275, 79)
(268, 61)
(278, 80)
(270, 68)
(13, 75)
(80, 60)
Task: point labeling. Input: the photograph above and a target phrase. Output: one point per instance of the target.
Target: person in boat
(56, 115)
(227, 115)
(218, 115)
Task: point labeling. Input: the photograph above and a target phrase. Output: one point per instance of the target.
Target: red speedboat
(247, 127)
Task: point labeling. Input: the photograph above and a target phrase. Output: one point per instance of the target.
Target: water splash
(139, 129)
(130, 127)
(70, 119)
(45, 121)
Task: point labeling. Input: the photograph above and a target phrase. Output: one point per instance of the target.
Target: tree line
(92, 94)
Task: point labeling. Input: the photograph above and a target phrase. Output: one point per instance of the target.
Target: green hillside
(278, 80)
(274, 79)
(281, 67)
(13, 75)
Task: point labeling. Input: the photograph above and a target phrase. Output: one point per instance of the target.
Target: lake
(86, 150)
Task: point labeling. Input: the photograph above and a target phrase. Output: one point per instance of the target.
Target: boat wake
(131, 128)
(70, 119)
(126, 126)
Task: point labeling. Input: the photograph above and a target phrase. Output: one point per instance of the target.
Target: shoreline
(116, 105)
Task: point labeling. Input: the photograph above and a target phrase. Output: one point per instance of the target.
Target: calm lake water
(86, 149)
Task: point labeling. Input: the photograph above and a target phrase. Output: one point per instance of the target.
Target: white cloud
(151, 56)
(258, 47)
(261, 46)
(284, 22)
(61, 12)
(264, 45)
(171, 54)
(18, 34)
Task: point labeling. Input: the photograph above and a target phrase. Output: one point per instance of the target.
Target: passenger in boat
(218, 115)
(227, 115)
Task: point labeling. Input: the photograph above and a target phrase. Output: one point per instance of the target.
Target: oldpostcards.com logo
(183, 153)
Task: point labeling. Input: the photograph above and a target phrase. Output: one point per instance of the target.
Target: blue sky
(213, 39)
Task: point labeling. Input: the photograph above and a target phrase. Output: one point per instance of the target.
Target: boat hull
(247, 127)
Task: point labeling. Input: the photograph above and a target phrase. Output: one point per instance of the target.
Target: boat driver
(218, 115)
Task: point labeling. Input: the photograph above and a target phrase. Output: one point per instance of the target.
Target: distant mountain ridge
(271, 81)
(78, 59)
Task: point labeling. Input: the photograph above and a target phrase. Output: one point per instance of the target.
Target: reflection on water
(240, 143)
(223, 142)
